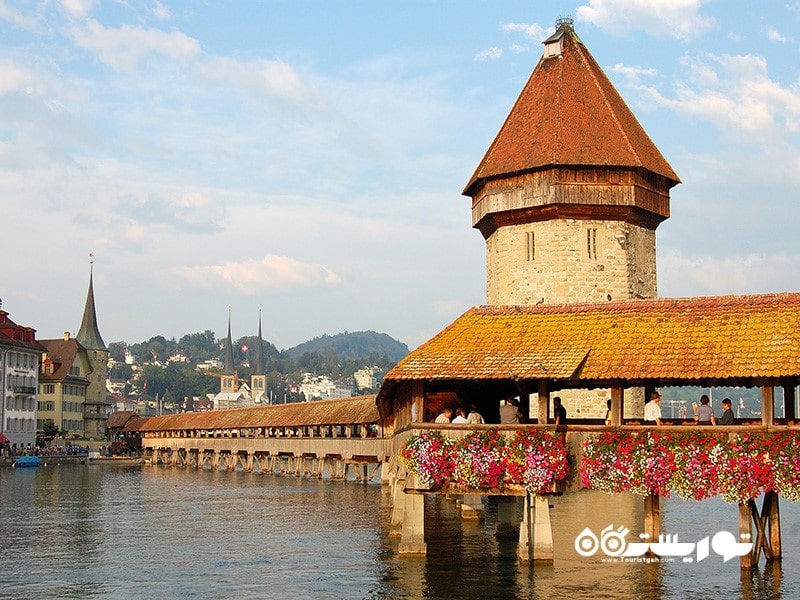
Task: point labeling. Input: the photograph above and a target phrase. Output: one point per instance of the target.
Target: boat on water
(95, 458)
(27, 461)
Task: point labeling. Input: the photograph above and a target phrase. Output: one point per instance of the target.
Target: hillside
(356, 344)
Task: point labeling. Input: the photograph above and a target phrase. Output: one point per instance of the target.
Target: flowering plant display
(694, 465)
(429, 455)
(488, 459)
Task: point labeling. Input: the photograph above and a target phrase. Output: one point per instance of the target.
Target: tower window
(591, 243)
(530, 246)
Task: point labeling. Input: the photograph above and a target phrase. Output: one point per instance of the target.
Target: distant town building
(63, 382)
(19, 375)
(365, 379)
(321, 387)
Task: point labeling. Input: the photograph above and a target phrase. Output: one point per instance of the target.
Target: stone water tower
(571, 190)
(568, 197)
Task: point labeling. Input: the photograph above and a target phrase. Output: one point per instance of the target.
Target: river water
(75, 531)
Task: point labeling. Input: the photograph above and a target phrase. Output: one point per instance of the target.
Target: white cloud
(161, 12)
(271, 273)
(263, 79)
(17, 19)
(679, 19)
(735, 93)
(125, 47)
(710, 276)
(774, 36)
(492, 53)
(534, 31)
(633, 74)
(15, 79)
(77, 8)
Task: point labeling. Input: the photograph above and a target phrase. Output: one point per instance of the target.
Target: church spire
(228, 368)
(258, 366)
(89, 334)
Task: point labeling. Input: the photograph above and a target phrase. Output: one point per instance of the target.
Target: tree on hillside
(199, 347)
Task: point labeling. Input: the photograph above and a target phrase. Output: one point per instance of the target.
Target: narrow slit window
(530, 246)
(591, 243)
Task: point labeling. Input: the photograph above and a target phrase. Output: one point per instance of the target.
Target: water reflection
(96, 532)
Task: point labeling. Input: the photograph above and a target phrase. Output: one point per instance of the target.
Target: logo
(613, 544)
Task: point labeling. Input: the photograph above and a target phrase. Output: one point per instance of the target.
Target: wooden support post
(526, 532)
(471, 507)
(544, 402)
(617, 405)
(417, 408)
(542, 530)
(767, 405)
(652, 517)
(398, 504)
(773, 515)
(507, 517)
(412, 536)
(746, 534)
(789, 408)
(524, 389)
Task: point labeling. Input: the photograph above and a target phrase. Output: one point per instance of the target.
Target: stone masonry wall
(565, 261)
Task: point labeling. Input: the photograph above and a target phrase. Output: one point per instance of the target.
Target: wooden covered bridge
(329, 437)
(532, 352)
(536, 352)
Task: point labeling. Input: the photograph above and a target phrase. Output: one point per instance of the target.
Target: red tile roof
(359, 409)
(569, 113)
(668, 340)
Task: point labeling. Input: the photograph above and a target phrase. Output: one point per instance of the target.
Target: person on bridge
(559, 412)
(474, 417)
(460, 418)
(509, 413)
(445, 416)
(705, 414)
(727, 414)
(652, 410)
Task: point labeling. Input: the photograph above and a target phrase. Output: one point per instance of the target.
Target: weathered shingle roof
(569, 113)
(359, 409)
(668, 339)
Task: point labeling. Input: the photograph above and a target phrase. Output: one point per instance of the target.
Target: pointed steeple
(228, 367)
(569, 114)
(258, 367)
(89, 334)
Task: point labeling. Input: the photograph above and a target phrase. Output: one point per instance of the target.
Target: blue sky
(307, 159)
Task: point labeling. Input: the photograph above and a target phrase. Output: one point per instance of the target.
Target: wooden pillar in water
(535, 531)
(471, 507)
(412, 535)
(652, 517)
(746, 535)
(773, 515)
(507, 518)
(396, 523)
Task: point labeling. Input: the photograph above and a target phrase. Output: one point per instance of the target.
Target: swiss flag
(245, 348)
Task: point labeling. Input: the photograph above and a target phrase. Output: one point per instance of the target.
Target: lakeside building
(72, 378)
(19, 374)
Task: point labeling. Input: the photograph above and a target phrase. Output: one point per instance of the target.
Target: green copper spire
(88, 334)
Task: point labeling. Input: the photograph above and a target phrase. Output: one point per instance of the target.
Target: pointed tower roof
(259, 368)
(89, 334)
(568, 114)
(228, 367)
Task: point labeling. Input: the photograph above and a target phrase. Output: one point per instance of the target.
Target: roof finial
(564, 22)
